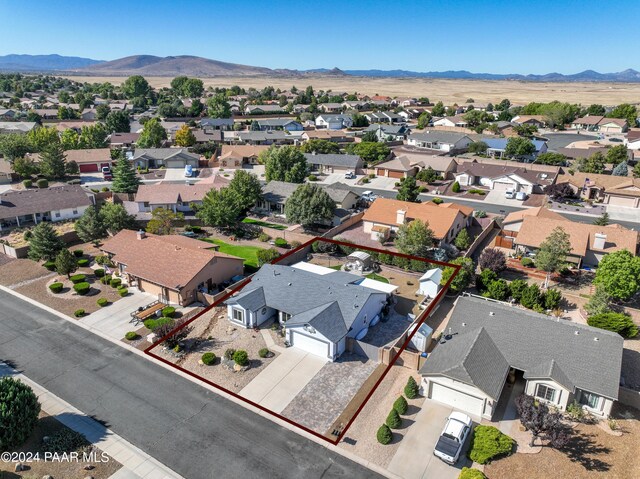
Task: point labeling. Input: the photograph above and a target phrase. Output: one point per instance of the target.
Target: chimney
(401, 216)
(141, 234)
(599, 241)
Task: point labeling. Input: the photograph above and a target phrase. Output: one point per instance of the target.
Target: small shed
(359, 261)
(421, 339)
(430, 283)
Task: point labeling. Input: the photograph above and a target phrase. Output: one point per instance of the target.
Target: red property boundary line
(421, 319)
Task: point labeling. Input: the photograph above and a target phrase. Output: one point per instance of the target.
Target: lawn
(249, 253)
(377, 277)
(275, 226)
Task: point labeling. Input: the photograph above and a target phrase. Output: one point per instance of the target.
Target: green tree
(25, 167)
(411, 389)
(94, 136)
(478, 147)
(438, 109)
(602, 220)
(163, 221)
(102, 111)
(53, 162)
(428, 175)
(599, 302)
(595, 110)
(455, 187)
(177, 84)
(370, 152)
(118, 122)
(519, 147)
(286, 163)
(41, 138)
(617, 322)
(115, 218)
(518, 286)
(370, 137)
(65, 262)
(498, 289)
(636, 170)
(153, 134)
(531, 297)
(359, 121)
(552, 254)
(193, 88)
(423, 120)
(475, 118)
(619, 274)
(89, 226)
(408, 190)
(70, 139)
(66, 113)
(621, 169)
(44, 243)
(14, 146)
(617, 154)
(384, 435)
(463, 240)
(594, 164)
(135, 86)
(320, 147)
(265, 256)
(464, 276)
(401, 405)
(185, 137)
(394, 421)
(125, 179)
(19, 413)
(218, 107)
(414, 238)
(555, 159)
(221, 208)
(625, 111)
(309, 204)
(248, 187)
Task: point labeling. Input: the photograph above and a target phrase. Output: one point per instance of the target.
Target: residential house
(389, 132)
(587, 123)
(167, 157)
(489, 345)
(632, 140)
(225, 124)
(235, 156)
(275, 137)
(177, 197)
(123, 140)
(319, 323)
(207, 135)
(503, 177)
(334, 122)
(409, 164)
(46, 113)
(385, 216)
(336, 136)
(330, 107)
(90, 160)
(513, 221)
(332, 163)
(612, 190)
(613, 125)
(7, 114)
(497, 146)
(89, 114)
(354, 105)
(457, 121)
(445, 141)
(6, 172)
(535, 120)
(33, 205)
(173, 267)
(263, 109)
(272, 124)
(17, 126)
(383, 117)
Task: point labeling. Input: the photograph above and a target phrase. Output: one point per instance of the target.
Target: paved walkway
(282, 380)
(136, 463)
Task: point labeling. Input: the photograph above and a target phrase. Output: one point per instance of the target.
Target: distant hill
(38, 63)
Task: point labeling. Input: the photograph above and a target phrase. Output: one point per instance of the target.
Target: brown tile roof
(535, 230)
(172, 193)
(241, 151)
(616, 121)
(92, 155)
(588, 120)
(611, 184)
(171, 261)
(494, 171)
(385, 210)
(465, 210)
(633, 134)
(539, 212)
(42, 200)
(120, 138)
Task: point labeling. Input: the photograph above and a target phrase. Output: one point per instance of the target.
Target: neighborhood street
(195, 432)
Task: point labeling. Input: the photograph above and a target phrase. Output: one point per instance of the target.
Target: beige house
(172, 267)
(234, 156)
(612, 190)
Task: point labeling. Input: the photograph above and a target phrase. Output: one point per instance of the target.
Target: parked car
(106, 173)
(368, 196)
(349, 175)
(188, 171)
(451, 441)
(510, 194)
(521, 196)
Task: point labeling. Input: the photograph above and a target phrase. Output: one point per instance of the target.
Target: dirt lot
(449, 91)
(48, 425)
(16, 272)
(592, 453)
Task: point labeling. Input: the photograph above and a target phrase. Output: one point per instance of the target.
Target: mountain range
(203, 67)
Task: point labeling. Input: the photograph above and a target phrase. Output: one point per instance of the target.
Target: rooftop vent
(576, 332)
(492, 313)
(596, 339)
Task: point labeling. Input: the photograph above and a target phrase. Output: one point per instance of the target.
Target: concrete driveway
(282, 380)
(497, 197)
(414, 458)
(381, 183)
(339, 178)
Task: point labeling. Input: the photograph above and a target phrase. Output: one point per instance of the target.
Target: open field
(449, 91)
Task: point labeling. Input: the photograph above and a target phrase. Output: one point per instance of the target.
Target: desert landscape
(448, 91)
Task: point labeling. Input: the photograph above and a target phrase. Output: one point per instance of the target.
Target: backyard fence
(480, 238)
(343, 226)
(363, 349)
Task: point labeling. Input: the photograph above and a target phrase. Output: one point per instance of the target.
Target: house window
(545, 392)
(589, 399)
(238, 315)
(75, 211)
(285, 317)
(57, 214)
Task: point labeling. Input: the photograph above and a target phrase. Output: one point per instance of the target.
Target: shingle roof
(527, 340)
(162, 153)
(439, 136)
(330, 159)
(549, 369)
(30, 201)
(171, 193)
(278, 191)
(91, 155)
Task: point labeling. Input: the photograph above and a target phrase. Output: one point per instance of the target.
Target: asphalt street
(195, 432)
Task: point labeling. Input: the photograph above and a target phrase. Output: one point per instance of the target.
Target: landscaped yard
(377, 277)
(264, 224)
(249, 253)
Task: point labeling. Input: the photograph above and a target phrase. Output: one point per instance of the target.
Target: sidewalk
(136, 464)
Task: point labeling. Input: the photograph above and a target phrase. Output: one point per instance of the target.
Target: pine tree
(384, 434)
(65, 262)
(411, 390)
(53, 162)
(602, 220)
(463, 240)
(90, 226)
(394, 421)
(124, 177)
(44, 243)
(401, 405)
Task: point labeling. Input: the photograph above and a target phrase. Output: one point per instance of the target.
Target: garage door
(89, 168)
(175, 163)
(502, 186)
(311, 345)
(459, 400)
(622, 201)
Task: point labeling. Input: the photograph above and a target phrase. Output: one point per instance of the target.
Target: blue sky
(516, 36)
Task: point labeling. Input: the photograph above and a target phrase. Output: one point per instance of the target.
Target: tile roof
(42, 200)
(241, 151)
(91, 155)
(539, 212)
(172, 193)
(610, 183)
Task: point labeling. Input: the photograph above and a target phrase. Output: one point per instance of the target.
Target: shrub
(470, 473)
(264, 237)
(438, 201)
(531, 297)
(55, 287)
(281, 242)
(83, 263)
(102, 259)
(123, 292)
(488, 443)
(104, 189)
(115, 282)
(394, 421)
(78, 253)
(42, 183)
(295, 244)
(312, 178)
(527, 262)
(384, 435)
(575, 411)
(517, 287)
(401, 405)
(77, 278)
(617, 322)
(105, 279)
(78, 313)
(411, 390)
(66, 441)
(27, 183)
(102, 302)
(365, 180)
(168, 311)
(552, 298)
(456, 187)
(196, 229)
(20, 409)
(131, 336)
(484, 279)
(498, 289)
(263, 353)
(50, 265)
(99, 272)
(82, 288)
(228, 354)
(153, 324)
(240, 357)
(208, 358)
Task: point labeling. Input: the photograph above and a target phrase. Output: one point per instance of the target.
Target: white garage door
(459, 400)
(498, 186)
(175, 163)
(311, 345)
(622, 201)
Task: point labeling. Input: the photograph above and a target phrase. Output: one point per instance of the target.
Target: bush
(264, 352)
(531, 297)
(123, 292)
(83, 263)
(115, 282)
(312, 178)
(168, 311)
(527, 262)
(470, 473)
(228, 354)
(365, 180)
(281, 242)
(411, 390)
(131, 336)
(78, 253)
(104, 189)
(401, 405)
(240, 357)
(102, 259)
(50, 265)
(42, 183)
(66, 441)
(456, 187)
(488, 443)
(105, 279)
(394, 421)
(82, 288)
(20, 409)
(498, 289)
(384, 435)
(196, 229)
(484, 279)
(208, 358)
(575, 411)
(55, 287)
(617, 322)
(102, 302)
(438, 201)
(517, 287)
(77, 278)
(264, 237)
(27, 183)
(153, 324)
(294, 244)
(78, 313)
(98, 272)
(552, 298)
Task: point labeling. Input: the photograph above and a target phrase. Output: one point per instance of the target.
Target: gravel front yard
(20, 270)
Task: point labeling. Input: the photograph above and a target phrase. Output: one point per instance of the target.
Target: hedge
(384, 435)
(263, 353)
(42, 183)
(281, 242)
(77, 278)
(401, 405)
(50, 265)
(208, 358)
(131, 336)
(169, 311)
(240, 357)
(527, 262)
(616, 322)
(470, 473)
(123, 292)
(82, 288)
(487, 443)
(78, 253)
(102, 302)
(83, 263)
(27, 183)
(78, 313)
(98, 272)
(55, 287)
(115, 282)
